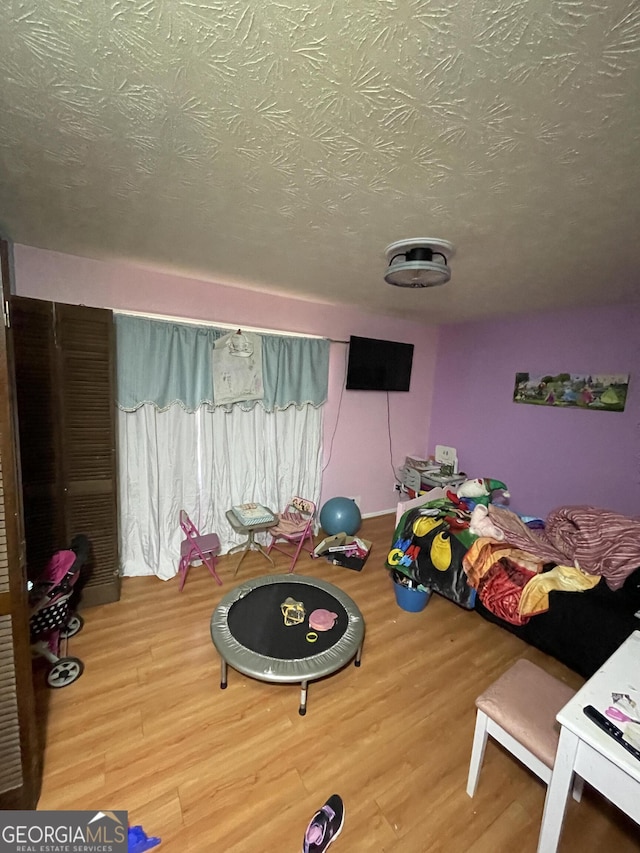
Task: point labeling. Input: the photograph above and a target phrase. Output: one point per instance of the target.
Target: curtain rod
(216, 325)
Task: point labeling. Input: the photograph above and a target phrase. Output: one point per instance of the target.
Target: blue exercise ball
(340, 515)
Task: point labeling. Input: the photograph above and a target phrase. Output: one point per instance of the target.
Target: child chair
(196, 547)
(294, 527)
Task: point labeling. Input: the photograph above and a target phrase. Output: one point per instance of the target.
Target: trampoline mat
(256, 622)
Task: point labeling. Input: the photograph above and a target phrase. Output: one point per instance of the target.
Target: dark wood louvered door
(86, 343)
(65, 372)
(20, 756)
(32, 329)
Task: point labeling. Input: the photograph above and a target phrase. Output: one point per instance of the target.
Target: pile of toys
(351, 552)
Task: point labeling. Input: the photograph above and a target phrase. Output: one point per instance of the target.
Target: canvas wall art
(603, 392)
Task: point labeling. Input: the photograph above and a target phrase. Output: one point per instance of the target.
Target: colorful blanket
(428, 546)
(433, 546)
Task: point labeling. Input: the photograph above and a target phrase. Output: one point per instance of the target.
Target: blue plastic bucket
(412, 600)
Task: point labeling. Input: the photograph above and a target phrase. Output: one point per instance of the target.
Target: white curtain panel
(204, 463)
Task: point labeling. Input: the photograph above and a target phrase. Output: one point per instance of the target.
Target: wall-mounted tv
(376, 365)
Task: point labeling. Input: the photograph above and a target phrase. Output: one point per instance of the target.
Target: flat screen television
(376, 365)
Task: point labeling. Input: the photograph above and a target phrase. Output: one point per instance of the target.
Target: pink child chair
(196, 547)
(294, 527)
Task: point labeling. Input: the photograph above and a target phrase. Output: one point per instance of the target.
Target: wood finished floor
(147, 729)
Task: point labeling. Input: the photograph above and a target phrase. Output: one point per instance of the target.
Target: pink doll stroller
(52, 620)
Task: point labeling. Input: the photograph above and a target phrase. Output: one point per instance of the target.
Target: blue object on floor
(138, 840)
(340, 515)
(413, 600)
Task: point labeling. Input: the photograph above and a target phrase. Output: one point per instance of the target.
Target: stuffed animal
(481, 490)
(481, 525)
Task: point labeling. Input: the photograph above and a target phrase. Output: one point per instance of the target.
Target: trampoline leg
(302, 710)
(223, 673)
(358, 655)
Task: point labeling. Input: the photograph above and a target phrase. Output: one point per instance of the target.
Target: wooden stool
(519, 711)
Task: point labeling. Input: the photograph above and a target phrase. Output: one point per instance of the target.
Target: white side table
(586, 750)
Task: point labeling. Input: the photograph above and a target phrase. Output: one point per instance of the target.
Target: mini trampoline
(249, 632)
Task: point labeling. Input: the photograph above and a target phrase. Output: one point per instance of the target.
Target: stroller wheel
(65, 672)
(73, 627)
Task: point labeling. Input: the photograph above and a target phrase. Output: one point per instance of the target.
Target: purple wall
(547, 456)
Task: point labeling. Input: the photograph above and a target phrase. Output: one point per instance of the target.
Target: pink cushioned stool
(519, 711)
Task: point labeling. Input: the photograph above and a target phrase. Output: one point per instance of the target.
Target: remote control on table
(610, 728)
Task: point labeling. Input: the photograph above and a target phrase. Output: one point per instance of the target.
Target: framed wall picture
(599, 392)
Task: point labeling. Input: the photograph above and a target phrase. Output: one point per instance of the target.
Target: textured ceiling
(282, 144)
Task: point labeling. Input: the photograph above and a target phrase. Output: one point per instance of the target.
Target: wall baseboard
(380, 512)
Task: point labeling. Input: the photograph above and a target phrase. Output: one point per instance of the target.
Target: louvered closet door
(32, 322)
(19, 757)
(65, 369)
(20, 768)
(86, 341)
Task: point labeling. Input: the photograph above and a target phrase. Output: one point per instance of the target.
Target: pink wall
(356, 452)
(547, 456)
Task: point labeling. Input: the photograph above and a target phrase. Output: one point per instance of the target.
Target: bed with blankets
(568, 585)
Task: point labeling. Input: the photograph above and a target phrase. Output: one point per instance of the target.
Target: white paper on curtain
(237, 368)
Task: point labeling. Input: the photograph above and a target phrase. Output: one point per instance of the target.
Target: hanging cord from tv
(395, 477)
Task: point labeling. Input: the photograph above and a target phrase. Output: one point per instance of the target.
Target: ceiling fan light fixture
(418, 262)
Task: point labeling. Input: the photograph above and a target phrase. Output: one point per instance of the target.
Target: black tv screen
(376, 365)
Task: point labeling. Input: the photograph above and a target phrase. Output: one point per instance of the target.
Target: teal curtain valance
(163, 363)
